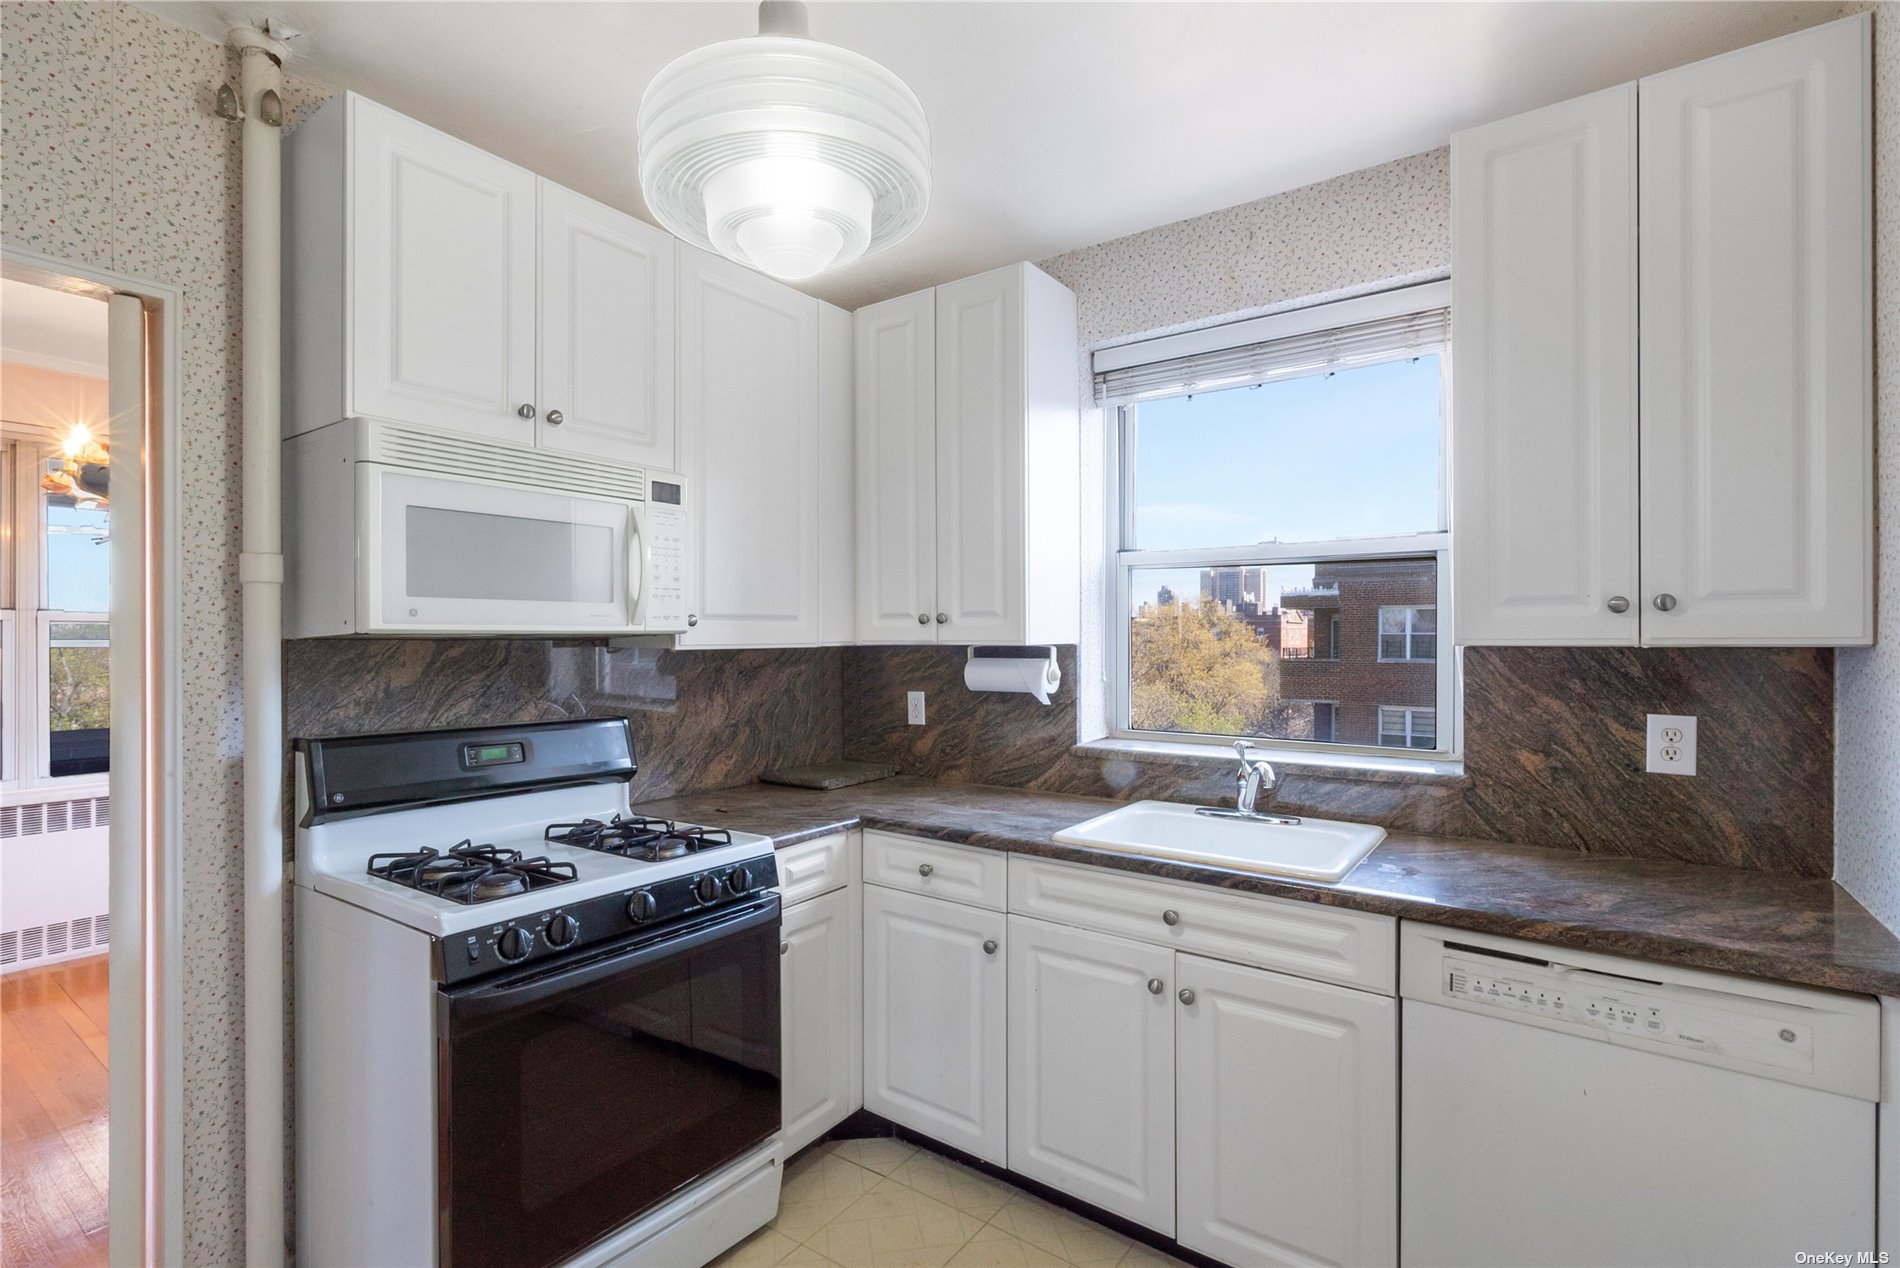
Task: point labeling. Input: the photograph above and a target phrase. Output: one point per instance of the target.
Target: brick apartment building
(1371, 669)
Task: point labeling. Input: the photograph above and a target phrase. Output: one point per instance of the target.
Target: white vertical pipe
(261, 574)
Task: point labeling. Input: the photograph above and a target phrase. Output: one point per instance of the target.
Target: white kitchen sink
(1312, 849)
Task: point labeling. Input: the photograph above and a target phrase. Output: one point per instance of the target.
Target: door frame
(146, 1036)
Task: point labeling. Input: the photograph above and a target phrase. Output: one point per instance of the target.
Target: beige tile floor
(887, 1204)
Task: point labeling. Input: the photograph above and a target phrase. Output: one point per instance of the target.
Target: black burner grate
(647, 840)
(470, 873)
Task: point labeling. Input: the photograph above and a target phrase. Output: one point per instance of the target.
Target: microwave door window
(458, 554)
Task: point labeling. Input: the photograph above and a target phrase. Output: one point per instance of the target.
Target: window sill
(1346, 766)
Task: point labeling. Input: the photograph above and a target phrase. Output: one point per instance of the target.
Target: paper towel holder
(1047, 679)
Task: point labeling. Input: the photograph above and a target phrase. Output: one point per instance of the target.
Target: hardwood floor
(53, 1115)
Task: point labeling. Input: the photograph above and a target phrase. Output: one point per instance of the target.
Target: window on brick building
(1400, 727)
(1278, 529)
(1408, 634)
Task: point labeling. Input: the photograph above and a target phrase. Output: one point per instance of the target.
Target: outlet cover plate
(1671, 744)
(916, 707)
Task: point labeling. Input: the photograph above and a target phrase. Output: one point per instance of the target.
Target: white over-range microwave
(394, 529)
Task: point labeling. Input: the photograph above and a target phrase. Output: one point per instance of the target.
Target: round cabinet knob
(556, 418)
(1170, 917)
(691, 620)
(1156, 986)
(1186, 996)
(526, 411)
(514, 943)
(989, 946)
(1665, 602)
(642, 907)
(706, 888)
(943, 618)
(784, 947)
(925, 869)
(1619, 604)
(923, 618)
(739, 880)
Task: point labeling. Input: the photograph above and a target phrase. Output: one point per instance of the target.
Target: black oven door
(571, 1099)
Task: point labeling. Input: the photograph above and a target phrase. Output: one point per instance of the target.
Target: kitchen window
(55, 693)
(1408, 634)
(1279, 553)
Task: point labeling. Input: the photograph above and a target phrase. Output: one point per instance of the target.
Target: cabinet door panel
(1756, 267)
(897, 470)
(441, 266)
(980, 539)
(934, 1017)
(819, 970)
(1091, 1068)
(748, 411)
(606, 332)
(1544, 323)
(1288, 1119)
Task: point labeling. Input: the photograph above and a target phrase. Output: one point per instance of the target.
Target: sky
(1316, 459)
(77, 579)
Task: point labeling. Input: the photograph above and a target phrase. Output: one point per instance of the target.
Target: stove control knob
(642, 907)
(706, 889)
(562, 930)
(514, 944)
(739, 880)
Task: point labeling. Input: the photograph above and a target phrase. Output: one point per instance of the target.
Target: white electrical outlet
(1671, 744)
(916, 707)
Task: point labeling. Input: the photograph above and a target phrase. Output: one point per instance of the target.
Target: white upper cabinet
(749, 449)
(983, 429)
(429, 282)
(606, 378)
(1756, 299)
(1544, 327)
(1091, 1068)
(1750, 437)
(440, 279)
(897, 469)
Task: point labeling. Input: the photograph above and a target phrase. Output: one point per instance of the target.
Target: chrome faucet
(1254, 775)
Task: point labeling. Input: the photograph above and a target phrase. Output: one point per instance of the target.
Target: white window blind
(1210, 369)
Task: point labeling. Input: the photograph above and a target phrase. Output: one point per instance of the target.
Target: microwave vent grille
(438, 454)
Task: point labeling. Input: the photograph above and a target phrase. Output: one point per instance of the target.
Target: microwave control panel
(664, 603)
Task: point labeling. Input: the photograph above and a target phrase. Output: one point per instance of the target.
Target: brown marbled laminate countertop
(1781, 928)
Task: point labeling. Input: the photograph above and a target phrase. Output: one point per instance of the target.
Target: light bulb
(77, 439)
(788, 216)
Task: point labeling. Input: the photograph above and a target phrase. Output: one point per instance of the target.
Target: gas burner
(641, 839)
(470, 873)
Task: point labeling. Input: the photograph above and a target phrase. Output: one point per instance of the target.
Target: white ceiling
(1054, 126)
(52, 329)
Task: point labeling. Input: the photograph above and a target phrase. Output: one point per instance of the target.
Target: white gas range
(532, 1026)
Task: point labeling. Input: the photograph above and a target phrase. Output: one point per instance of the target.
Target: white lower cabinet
(1091, 1068)
(1287, 1119)
(934, 1017)
(819, 967)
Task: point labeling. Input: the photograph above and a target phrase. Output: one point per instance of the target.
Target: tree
(1198, 667)
(78, 689)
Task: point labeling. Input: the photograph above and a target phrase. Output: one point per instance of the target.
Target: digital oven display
(475, 756)
(661, 491)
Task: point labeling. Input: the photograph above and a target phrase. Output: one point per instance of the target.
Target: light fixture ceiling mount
(783, 153)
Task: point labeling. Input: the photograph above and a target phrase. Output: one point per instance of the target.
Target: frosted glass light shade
(783, 153)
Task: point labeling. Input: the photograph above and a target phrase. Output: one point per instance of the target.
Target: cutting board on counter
(827, 775)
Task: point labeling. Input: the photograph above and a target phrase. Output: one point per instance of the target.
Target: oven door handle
(482, 1001)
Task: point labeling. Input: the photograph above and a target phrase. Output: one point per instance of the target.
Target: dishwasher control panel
(1683, 1021)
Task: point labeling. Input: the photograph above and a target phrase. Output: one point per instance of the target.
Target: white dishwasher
(1565, 1108)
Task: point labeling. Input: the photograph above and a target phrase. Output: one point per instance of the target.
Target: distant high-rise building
(1242, 590)
(1164, 597)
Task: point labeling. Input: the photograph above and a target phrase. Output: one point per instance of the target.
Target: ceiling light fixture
(783, 153)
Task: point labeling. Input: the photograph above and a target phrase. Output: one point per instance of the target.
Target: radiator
(54, 877)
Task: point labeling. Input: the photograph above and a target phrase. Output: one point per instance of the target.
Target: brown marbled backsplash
(1553, 742)
(700, 719)
(1553, 736)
